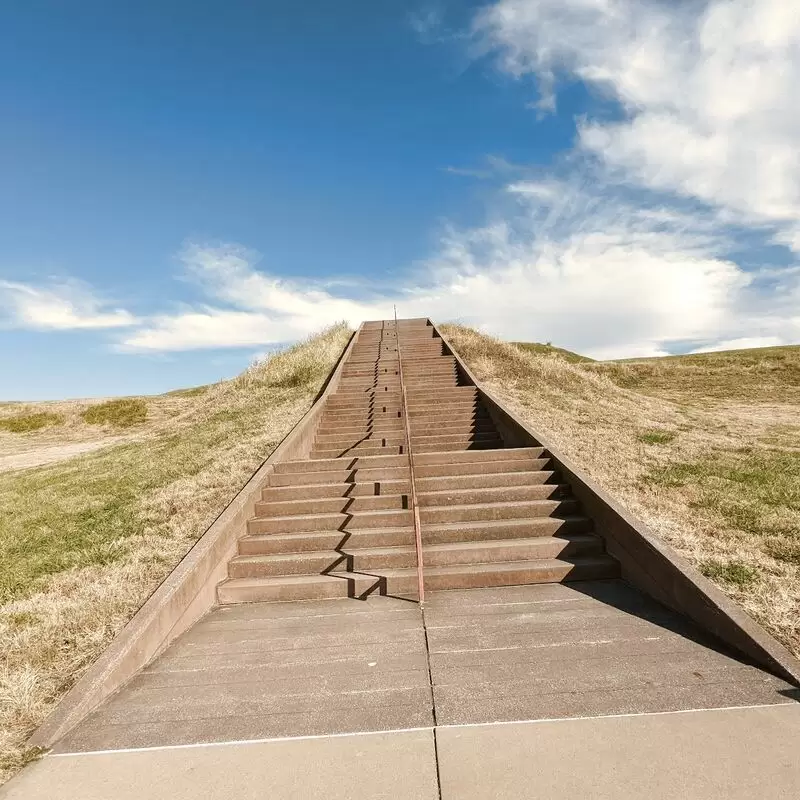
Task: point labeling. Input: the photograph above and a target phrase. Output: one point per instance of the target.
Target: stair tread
(498, 523)
(539, 541)
(450, 569)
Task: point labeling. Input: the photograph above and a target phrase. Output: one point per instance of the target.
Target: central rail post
(409, 450)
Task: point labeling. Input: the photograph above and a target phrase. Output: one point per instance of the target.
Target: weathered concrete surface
(579, 649)
(271, 670)
(730, 754)
(373, 766)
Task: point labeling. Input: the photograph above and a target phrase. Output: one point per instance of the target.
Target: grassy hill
(760, 375)
(704, 448)
(85, 539)
(548, 350)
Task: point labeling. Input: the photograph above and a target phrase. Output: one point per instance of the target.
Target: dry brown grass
(716, 475)
(83, 543)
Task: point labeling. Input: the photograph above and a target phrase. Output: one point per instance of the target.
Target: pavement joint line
(237, 742)
(788, 702)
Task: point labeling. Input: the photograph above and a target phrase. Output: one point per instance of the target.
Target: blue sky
(184, 185)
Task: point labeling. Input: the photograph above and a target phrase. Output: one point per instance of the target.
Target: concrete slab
(267, 670)
(385, 765)
(735, 754)
(576, 650)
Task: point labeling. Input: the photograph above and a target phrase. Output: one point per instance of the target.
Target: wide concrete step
(358, 450)
(508, 454)
(475, 467)
(486, 530)
(519, 573)
(345, 476)
(276, 494)
(348, 442)
(492, 494)
(482, 425)
(452, 437)
(363, 428)
(333, 435)
(362, 462)
(439, 447)
(489, 480)
(403, 582)
(298, 587)
(360, 559)
(522, 509)
(331, 505)
(309, 541)
(500, 550)
(330, 521)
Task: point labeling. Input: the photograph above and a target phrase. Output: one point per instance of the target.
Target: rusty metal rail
(410, 452)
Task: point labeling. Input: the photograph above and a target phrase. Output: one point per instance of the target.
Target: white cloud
(251, 308)
(573, 263)
(69, 305)
(708, 91)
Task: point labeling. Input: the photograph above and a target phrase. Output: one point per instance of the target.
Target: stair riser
(349, 442)
(331, 505)
(491, 480)
(481, 458)
(512, 550)
(298, 467)
(362, 489)
(309, 565)
(324, 540)
(522, 577)
(340, 476)
(358, 450)
(454, 438)
(493, 495)
(441, 447)
(273, 594)
(330, 522)
(514, 529)
(432, 515)
(446, 470)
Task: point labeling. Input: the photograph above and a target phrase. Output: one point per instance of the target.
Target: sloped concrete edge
(648, 563)
(188, 591)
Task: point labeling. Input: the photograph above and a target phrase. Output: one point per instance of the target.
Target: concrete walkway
(553, 691)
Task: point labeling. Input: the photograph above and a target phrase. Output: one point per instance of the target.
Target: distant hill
(549, 350)
(760, 374)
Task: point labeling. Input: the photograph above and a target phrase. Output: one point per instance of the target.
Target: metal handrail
(414, 506)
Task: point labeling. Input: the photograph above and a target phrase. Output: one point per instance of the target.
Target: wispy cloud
(706, 92)
(59, 306)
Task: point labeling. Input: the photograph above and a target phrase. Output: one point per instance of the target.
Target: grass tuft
(734, 572)
(657, 437)
(25, 423)
(122, 413)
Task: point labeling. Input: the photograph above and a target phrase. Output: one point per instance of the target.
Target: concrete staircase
(339, 524)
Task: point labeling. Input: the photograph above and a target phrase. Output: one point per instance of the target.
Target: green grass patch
(657, 436)
(25, 423)
(785, 549)
(756, 492)
(117, 413)
(733, 572)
